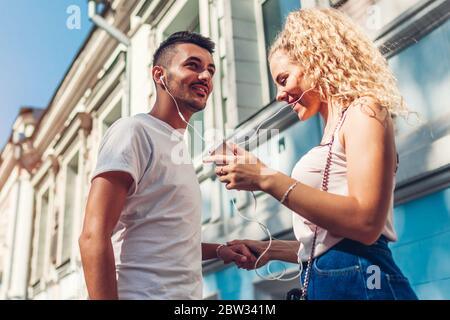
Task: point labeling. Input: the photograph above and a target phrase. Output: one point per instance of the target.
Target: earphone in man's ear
(163, 83)
(176, 104)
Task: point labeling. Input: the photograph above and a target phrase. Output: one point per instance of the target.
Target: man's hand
(238, 253)
(256, 248)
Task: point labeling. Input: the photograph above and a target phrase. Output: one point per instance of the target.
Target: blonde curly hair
(342, 62)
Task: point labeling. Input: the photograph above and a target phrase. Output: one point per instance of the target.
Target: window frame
(73, 152)
(263, 66)
(431, 180)
(169, 17)
(262, 54)
(217, 210)
(107, 109)
(45, 187)
(209, 181)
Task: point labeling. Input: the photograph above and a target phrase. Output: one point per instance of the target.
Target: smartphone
(222, 148)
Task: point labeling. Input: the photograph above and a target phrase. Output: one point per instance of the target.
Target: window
(274, 15)
(196, 144)
(54, 239)
(69, 208)
(205, 188)
(425, 85)
(113, 115)
(423, 73)
(6, 206)
(41, 236)
(283, 150)
(186, 19)
(374, 15)
(228, 207)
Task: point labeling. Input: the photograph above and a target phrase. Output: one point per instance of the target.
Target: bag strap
(324, 187)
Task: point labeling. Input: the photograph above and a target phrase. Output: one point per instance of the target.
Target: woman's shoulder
(368, 106)
(368, 109)
(368, 118)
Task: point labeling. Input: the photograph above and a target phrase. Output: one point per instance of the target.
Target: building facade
(45, 170)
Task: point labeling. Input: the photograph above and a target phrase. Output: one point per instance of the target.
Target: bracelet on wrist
(218, 250)
(288, 191)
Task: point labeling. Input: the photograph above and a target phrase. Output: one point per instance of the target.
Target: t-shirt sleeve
(126, 148)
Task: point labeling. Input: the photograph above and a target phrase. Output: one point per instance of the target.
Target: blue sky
(36, 51)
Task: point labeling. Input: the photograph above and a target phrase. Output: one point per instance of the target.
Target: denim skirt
(353, 271)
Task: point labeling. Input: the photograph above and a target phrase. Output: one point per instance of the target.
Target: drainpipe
(123, 39)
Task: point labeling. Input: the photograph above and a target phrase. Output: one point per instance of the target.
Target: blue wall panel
(236, 284)
(423, 249)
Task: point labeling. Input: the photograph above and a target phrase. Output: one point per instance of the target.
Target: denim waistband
(380, 247)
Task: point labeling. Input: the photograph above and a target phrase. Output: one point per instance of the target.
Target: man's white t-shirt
(157, 240)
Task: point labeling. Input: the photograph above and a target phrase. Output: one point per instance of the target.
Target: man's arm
(209, 251)
(105, 203)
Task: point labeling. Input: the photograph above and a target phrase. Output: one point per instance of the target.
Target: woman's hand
(257, 248)
(241, 171)
(237, 253)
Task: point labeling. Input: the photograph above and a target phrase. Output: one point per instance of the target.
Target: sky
(37, 48)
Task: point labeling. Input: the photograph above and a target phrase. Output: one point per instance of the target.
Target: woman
(341, 192)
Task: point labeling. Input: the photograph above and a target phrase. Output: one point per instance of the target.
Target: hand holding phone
(223, 148)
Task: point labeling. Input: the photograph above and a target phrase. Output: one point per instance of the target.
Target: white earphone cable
(278, 277)
(179, 112)
(273, 277)
(273, 116)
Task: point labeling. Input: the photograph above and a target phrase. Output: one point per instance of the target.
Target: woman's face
(291, 84)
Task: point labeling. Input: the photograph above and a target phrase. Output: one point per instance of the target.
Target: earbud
(176, 104)
(163, 83)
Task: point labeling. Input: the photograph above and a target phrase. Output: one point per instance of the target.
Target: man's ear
(158, 76)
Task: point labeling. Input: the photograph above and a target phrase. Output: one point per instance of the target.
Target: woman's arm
(368, 137)
(371, 159)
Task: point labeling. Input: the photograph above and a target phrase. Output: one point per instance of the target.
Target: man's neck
(166, 111)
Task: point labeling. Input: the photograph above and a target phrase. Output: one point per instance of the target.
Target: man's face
(189, 76)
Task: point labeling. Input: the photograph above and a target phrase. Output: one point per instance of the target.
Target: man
(142, 227)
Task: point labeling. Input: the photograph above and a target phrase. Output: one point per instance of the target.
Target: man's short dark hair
(166, 49)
